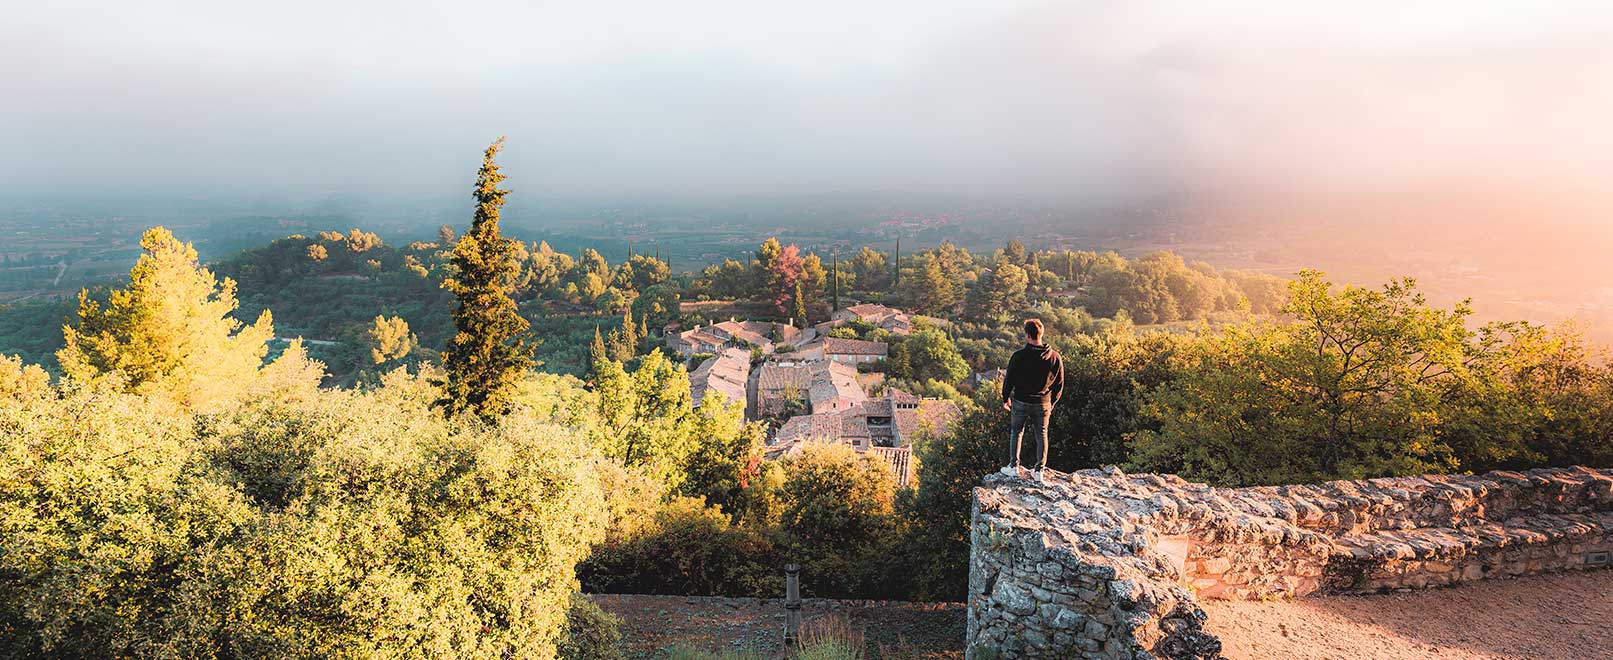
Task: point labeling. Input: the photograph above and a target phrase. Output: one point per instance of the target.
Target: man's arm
(1057, 388)
(1008, 377)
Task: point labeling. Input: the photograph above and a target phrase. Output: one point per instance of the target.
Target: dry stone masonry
(1100, 564)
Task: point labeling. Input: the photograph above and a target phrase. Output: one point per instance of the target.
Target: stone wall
(1099, 564)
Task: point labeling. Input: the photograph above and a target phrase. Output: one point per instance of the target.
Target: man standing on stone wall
(1032, 387)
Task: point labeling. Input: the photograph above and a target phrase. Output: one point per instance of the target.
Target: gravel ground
(1553, 616)
(1565, 616)
(652, 625)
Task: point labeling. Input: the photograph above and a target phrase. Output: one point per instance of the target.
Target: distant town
(808, 387)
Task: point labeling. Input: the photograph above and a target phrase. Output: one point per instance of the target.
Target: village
(811, 387)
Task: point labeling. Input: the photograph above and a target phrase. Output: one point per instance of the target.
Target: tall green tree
(1354, 387)
(390, 339)
(799, 311)
(488, 356)
(834, 280)
(896, 264)
(169, 333)
(927, 354)
(999, 292)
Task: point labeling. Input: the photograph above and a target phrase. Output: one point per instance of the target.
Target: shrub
(830, 638)
(591, 633)
(343, 525)
(838, 518)
(689, 548)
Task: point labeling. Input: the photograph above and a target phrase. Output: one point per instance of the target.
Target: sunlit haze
(1439, 118)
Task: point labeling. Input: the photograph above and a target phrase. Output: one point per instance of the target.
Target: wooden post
(792, 605)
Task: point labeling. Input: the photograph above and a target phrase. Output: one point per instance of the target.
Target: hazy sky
(1002, 98)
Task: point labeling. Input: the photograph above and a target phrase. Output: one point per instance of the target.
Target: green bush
(687, 548)
(838, 519)
(591, 633)
(831, 638)
(310, 524)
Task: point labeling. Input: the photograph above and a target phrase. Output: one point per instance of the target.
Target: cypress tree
(597, 353)
(626, 344)
(834, 281)
(488, 356)
(800, 305)
(896, 265)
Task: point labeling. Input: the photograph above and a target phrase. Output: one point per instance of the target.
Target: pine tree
(390, 339)
(488, 356)
(169, 333)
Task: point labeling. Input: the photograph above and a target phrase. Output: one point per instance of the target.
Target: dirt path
(1552, 617)
(652, 625)
(1545, 617)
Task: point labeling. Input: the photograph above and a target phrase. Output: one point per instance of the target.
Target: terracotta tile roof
(803, 428)
(838, 346)
(725, 373)
(827, 386)
(901, 461)
(901, 398)
(775, 376)
(871, 311)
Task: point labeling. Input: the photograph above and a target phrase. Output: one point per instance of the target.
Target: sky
(1241, 104)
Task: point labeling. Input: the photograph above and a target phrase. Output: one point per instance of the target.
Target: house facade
(713, 338)
(728, 373)
(806, 387)
(884, 427)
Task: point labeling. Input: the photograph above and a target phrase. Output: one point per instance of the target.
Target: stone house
(844, 351)
(806, 387)
(885, 426)
(728, 373)
(713, 338)
(890, 319)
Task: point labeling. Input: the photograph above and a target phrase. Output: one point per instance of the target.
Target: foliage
(1000, 292)
(688, 547)
(591, 633)
(727, 454)
(779, 270)
(304, 524)
(22, 381)
(169, 333)
(1106, 374)
(950, 466)
(390, 340)
(487, 356)
(1367, 383)
(838, 516)
(927, 353)
(646, 419)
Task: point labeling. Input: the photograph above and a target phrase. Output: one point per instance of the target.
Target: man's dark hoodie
(1035, 376)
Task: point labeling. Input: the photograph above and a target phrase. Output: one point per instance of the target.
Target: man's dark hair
(1033, 329)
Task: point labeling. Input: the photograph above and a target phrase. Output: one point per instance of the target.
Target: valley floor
(651, 625)
(1567, 615)
(1535, 618)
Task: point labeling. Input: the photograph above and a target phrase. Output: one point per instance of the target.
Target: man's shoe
(1009, 471)
(1036, 476)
